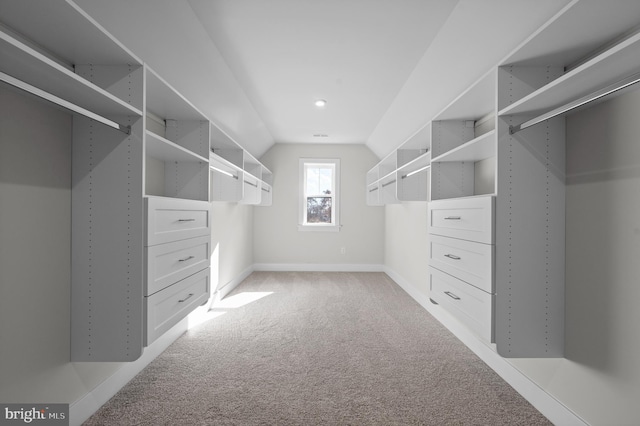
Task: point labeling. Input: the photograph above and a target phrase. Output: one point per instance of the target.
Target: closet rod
(414, 172)
(606, 91)
(62, 103)
(224, 172)
(255, 185)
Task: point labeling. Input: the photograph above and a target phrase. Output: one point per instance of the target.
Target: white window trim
(302, 202)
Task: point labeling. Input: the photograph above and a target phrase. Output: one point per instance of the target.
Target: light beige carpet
(318, 349)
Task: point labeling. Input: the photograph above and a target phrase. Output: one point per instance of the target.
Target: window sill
(319, 228)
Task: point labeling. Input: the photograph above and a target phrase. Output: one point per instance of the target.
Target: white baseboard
(83, 408)
(318, 267)
(228, 287)
(549, 406)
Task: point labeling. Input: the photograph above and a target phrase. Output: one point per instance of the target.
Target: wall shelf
(402, 175)
(21, 59)
(228, 156)
(164, 150)
(618, 62)
(478, 149)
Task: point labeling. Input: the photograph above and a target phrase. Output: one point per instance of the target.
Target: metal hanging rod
(266, 190)
(388, 183)
(251, 183)
(606, 91)
(415, 171)
(373, 189)
(224, 172)
(62, 103)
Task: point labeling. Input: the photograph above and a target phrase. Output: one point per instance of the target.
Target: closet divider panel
(107, 241)
(530, 235)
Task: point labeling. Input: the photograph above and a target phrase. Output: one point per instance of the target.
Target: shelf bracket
(62, 103)
(599, 94)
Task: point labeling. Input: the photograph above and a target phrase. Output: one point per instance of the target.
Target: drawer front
(469, 304)
(172, 220)
(469, 261)
(167, 263)
(468, 219)
(166, 308)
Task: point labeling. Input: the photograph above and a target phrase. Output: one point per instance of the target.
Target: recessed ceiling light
(320, 103)
(320, 135)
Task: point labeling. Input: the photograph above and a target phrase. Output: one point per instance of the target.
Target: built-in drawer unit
(176, 261)
(170, 219)
(461, 260)
(465, 218)
(469, 261)
(167, 263)
(469, 304)
(166, 308)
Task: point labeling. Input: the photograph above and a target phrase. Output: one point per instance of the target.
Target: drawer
(167, 263)
(166, 308)
(171, 219)
(470, 305)
(469, 261)
(468, 219)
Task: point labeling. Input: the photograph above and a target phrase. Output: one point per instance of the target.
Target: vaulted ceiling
(385, 67)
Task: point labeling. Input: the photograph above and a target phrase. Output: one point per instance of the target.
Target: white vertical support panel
(107, 241)
(530, 235)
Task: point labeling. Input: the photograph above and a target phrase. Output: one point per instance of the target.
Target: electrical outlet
(343, 250)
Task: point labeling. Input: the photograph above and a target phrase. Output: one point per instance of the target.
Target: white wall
(406, 250)
(276, 236)
(232, 238)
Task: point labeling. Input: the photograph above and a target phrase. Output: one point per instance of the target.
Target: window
(319, 202)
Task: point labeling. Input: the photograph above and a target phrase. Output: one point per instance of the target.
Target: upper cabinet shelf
(44, 50)
(608, 67)
(478, 149)
(596, 53)
(403, 175)
(237, 176)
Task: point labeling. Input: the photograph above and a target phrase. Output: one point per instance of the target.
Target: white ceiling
(385, 67)
(356, 54)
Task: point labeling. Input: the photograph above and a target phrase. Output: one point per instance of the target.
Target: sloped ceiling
(385, 67)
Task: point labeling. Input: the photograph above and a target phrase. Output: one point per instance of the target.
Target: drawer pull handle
(452, 218)
(186, 258)
(186, 298)
(451, 295)
(186, 220)
(452, 256)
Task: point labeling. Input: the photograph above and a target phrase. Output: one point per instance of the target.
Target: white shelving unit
(102, 84)
(236, 176)
(497, 158)
(530, 205)
(177, 245)
(404, 174)
(464, 144)
(140, 209)
(176, 144)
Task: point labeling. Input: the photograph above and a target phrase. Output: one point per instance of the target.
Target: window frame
(302, 199)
